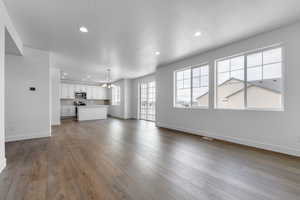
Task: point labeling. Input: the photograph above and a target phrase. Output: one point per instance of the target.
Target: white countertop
(92, 106)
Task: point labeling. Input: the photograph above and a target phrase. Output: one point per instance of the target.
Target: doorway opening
(147, 101)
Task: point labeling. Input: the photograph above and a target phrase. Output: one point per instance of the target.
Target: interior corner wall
(127, 98)
(123, 110)
(55, 96)
(117, 110)
(5, 25)
(27, 112)
(12, 33)
(135, 93)
(2, 131)
(272, 130)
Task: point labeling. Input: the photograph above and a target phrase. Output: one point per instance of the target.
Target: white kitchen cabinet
(104, 93)
(64, 91)
(84, 88)
(89, 92)
(101, 93)
(67, 91)
(71, 92)
(77, 88)
(92, 112)
(68, 111)
(80, 88)
(96, 92)
(93, 92)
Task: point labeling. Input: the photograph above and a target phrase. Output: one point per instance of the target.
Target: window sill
(193, 108)
(266, 109)
(252, 109)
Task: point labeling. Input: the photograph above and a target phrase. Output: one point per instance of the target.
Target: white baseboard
(18, 137)
(116, 116)
(270, 147)
(2, 164)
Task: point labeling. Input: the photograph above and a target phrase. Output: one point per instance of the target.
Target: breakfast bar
(92, 112)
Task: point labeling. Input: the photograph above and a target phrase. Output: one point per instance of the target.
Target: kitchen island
(91, 112)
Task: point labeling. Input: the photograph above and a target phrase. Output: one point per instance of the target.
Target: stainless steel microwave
(80, 95)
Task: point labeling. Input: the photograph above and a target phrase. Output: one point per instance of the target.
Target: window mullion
(200, 77)
(175, 90)
(262, 65)
(230, 68)
(216, 85)
(191, 90)
(147, 100)
(140, 107)
(245, 82)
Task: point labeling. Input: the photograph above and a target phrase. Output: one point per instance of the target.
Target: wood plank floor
(115, 159)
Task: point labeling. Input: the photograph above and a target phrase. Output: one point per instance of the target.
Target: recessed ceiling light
(83, 29)
(157, 53)
(197, 34)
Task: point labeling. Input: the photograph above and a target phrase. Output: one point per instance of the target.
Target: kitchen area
(83, 101)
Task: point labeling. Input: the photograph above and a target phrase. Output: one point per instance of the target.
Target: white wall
(2, 53)
(55, 96)
(135, 93)
(127, 98)
(278, 131)
(123, 110)
(117, 110)
(27, 112)
(16, 43)
(5, 26)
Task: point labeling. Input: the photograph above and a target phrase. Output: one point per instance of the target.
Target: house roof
(273, 85)
(270, 84)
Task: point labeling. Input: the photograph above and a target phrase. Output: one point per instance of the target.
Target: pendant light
(108, 83)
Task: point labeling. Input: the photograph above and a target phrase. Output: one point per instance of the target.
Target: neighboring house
(261, 94)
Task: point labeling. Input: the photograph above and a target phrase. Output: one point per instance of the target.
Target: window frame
(191, 67)
(116, 99)
(245, 54)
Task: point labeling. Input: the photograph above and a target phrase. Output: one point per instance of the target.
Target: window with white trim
(230, 79)
(250, 81)
(192, 87)
(116, 95)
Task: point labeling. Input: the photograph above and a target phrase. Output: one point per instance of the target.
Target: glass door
(143, 101)
(147, 101)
